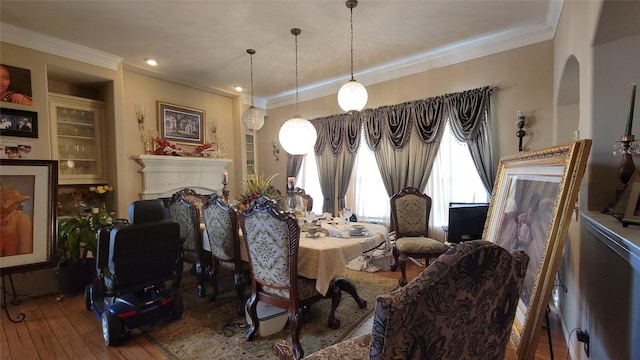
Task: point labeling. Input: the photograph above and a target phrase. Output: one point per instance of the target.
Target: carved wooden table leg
(347, 286)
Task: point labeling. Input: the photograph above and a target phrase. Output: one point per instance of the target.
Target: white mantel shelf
(164, 175)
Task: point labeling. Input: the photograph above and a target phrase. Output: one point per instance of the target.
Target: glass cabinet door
(76, 139)
(250, 154)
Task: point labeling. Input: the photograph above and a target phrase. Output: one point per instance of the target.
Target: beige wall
(147, 91)
(524, 77)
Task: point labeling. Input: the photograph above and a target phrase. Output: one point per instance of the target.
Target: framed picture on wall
(18, 123)
(533, 198)
(181, 124)
(16, 85)
(28, 192)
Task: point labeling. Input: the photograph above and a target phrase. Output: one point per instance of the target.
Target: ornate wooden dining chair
(272, 238)
(185, 209)
(410, 211)
(461, 307)
(306, 198)
(221, 225)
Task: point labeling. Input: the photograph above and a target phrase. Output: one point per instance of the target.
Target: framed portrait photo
(18, 123)
(181, 124)
(533, 198)
(16, 84)
(28, 192)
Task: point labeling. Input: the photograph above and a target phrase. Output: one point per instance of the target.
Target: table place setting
(312, 231)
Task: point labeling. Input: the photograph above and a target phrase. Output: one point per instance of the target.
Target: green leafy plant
(256, 187)
(77, 235)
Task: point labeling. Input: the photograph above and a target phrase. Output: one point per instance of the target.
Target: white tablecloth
(324, 257)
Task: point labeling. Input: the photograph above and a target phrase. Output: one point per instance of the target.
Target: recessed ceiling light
(151, 62)
(238, 88)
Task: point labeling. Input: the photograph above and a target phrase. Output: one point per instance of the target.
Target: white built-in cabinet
(77, 139)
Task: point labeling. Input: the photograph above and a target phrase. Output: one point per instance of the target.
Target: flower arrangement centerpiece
(102, 192)
(165, 147)
(256, 187)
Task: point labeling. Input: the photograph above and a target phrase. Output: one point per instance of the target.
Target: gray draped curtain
(470, 114)
(405, 139)
(335, 150)
(294, 163)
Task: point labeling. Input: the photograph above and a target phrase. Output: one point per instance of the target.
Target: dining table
(324, 255)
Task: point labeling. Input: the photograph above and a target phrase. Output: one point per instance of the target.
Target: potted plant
(77, 238)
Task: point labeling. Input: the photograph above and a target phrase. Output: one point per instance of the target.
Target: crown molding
(258, 102)
(452, 54)
(36, 41)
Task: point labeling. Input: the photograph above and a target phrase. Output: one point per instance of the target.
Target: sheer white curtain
(366, 194)
(454, 178)
(309, 181)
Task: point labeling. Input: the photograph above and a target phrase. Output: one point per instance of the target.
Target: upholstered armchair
(272, 239)
(221, 225)
(410, 211)
(461, 307)
(185, 209)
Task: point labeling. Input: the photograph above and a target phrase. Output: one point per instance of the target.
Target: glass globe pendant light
(352, 96)
(252, 118)
(297, 135)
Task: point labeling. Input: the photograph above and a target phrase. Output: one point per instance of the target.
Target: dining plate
(362, 234)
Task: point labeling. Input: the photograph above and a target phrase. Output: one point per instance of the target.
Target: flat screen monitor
(466, 221)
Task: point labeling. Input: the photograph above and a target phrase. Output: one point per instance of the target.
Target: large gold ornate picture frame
(532, 201)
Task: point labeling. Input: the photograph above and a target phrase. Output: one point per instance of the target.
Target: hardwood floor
(65, 330)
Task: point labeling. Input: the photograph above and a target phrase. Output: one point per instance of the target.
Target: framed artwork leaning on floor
(533, 198)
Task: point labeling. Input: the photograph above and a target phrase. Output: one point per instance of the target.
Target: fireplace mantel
(162, 175)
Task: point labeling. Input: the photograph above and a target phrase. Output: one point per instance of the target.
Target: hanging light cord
(296, 37)
(351, 22)
(251, 57)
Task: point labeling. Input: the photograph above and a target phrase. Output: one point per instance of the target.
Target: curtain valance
(468, 111)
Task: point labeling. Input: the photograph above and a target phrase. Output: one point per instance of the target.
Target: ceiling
(203, 43)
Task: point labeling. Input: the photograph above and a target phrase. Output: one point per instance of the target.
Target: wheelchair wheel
(177, 307)
(87, 297)
(111, 329)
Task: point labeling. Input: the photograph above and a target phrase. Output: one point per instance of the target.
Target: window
(310, 181)
(453, 178)
(366, 194)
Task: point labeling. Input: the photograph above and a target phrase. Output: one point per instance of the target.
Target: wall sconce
(213, 132)
(520, 133)
(141, 114)
(276, 149)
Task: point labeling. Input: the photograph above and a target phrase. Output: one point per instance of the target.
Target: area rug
(212, 330)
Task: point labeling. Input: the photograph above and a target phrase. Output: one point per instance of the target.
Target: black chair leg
(396, 255)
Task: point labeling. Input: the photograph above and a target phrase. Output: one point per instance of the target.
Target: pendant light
(352, 95)
(252, 118)
(297, 135)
